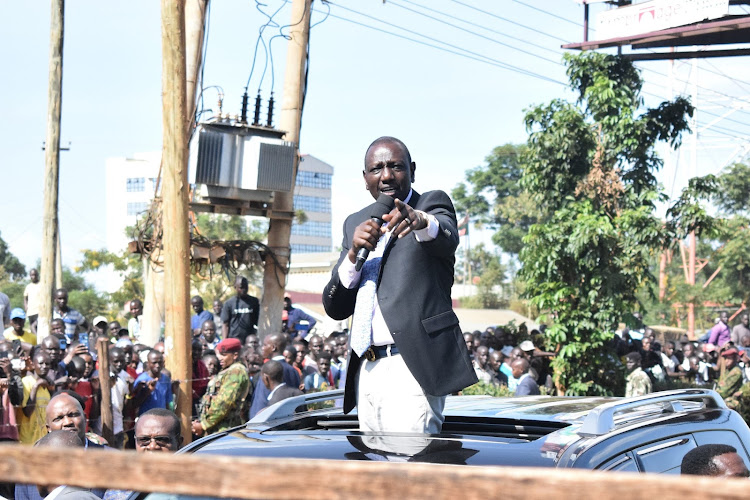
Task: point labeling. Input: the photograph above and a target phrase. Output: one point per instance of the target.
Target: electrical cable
(510, 21)
(464, 52)
(545, 12)
(391, 2)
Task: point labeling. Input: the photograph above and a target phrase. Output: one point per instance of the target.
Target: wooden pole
(195, 22)
(691, 281)
(58, 261)
(102, 349)
(51, 168)
(663, 276)
(176, 241)
(245, 477)
(274, 278)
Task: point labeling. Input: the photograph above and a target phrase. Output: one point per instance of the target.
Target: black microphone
(382, 206)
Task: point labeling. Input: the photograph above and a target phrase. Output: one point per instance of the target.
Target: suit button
(447, 233)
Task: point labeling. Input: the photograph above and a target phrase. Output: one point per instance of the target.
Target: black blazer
(284, 392)
(414, 293)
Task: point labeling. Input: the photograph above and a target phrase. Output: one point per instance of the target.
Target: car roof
(478, 430)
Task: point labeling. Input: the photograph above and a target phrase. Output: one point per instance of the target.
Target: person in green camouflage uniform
(221, 406)
(730, 381)
(638, 383)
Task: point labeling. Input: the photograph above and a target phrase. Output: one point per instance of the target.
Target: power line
(510, 21)
(548, 13)
(391, 2)
(465, 52)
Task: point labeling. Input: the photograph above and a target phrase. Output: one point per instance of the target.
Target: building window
(314, 180)
(135, 208)
(310, 248)
(312, 204)
(136, 184)
(313, 228)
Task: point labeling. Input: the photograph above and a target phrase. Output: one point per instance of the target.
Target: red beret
(228, 345)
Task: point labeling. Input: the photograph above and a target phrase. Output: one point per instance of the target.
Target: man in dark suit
(272, 375)
(527, 386)
(273, 349)
(407, 347)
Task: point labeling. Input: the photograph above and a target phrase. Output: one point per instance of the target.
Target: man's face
(240, 287)
(197, 304)
(117, 360)
(731, 465)
(724, 317)
(730, 361)
(61, 300)
(252, 342)
(226, 360)
(482, 355)
(329, 347)
(217, 306)
(155, 434)
(669, 349)
(208, 330)
(341, 345)
(113, 328)
(469, 340)
(496, 359)
(64, 412)
(301, 353)
(254, 362)
(155, 363)
(324, 366)
(18, 324)
(136, 308)
(287, 304)
(268, 347)
(88, 364)
(516, 370)
(646, 342)
(316, 346)
(57, 327)
(212, 364)
(388, 170)
(631, 364)
(34, 276)
(51, 346)
(688, 350)
(100, 329)
(289, 356)
(745, 320)
(42, 364)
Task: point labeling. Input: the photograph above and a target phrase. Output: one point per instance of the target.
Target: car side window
(723, 437)
(621, 463)
(665, 457)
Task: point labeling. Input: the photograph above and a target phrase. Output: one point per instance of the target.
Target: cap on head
(228, 345)
(17, 313)
(730, 352)
(527, 345)
(99, 319)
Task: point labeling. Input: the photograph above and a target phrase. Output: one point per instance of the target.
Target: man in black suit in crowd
(416, 354)
(272, 375)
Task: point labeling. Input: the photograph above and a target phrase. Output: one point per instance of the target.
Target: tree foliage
(487, 272)
(590, 167)
(10, 266)
(493, 196)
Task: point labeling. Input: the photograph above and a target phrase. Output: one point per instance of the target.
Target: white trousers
(389, 399)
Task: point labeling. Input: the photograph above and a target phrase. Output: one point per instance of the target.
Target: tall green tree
(10, 266)
(590, 168)
(493, 196)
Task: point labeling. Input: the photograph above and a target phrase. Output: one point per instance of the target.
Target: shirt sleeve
(348, 275)
(430, 232)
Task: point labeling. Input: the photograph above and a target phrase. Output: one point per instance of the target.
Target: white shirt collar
(274, 390)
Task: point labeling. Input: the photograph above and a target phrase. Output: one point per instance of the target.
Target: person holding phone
(17, 328)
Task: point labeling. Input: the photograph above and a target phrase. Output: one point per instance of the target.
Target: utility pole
(51, 168)
(290, 120)
(693, 173)
(176, 242)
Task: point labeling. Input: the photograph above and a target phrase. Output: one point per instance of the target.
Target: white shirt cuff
(430, 232)
(348, 275)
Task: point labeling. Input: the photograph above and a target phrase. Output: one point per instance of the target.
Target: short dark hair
(700, 460)
(274, 370)
(163, 412)
(325, 355)
(634, 356)
(390, 140)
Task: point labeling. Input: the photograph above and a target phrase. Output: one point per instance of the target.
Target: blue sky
(451, 93)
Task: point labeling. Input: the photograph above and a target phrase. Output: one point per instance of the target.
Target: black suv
(645, 434)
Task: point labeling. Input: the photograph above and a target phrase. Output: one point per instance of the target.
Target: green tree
(495, 198)
(487, 273)
(590, 169)
(733, 195)
(10, 266)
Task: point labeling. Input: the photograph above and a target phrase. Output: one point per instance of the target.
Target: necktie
(362, 321)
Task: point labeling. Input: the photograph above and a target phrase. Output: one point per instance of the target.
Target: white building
(130, 184)
(129, 189)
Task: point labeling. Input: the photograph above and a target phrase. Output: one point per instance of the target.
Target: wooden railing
(224, 476)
